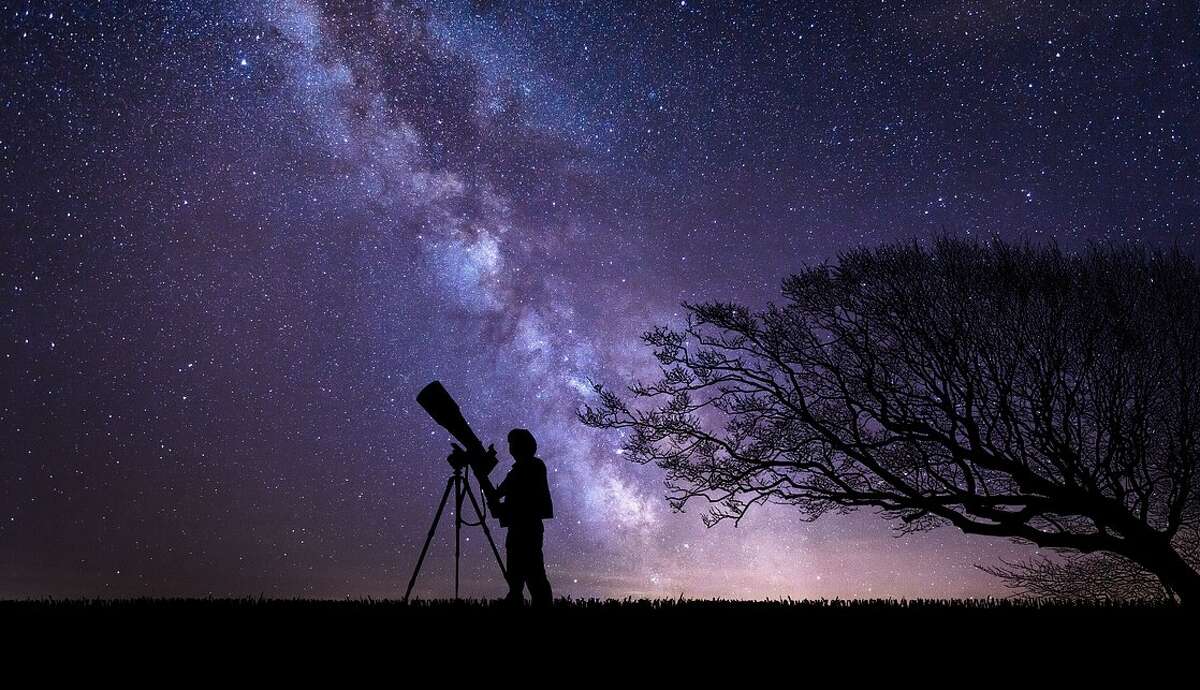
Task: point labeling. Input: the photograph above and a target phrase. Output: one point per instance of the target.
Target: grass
(575, 629)
(565, 609)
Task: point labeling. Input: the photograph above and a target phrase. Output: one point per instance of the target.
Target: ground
(577, 613)
(586, 639)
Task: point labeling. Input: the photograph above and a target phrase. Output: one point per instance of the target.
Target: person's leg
(535, 574)
(514, 565)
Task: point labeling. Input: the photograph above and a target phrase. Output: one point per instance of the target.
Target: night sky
(237, 238)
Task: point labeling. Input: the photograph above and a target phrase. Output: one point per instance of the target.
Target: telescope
(438, 403)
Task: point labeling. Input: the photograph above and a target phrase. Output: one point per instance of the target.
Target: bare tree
(1011, 391)
(1093, 576)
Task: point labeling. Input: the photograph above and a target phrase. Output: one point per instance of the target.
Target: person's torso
(528, 493)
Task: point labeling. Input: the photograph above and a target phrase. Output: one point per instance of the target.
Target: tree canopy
(1008, 390)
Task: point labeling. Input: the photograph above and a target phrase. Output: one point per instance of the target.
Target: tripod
(462, 487)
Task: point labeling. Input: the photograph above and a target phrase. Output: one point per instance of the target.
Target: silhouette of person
(525, 501)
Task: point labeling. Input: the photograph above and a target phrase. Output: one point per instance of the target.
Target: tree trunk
(1175, 573)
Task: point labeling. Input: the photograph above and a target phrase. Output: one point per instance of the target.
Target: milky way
(237, 238)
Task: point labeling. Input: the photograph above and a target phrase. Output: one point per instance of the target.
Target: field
(580, 612)
(357, 634)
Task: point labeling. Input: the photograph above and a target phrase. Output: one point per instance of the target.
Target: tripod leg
(487, 532)
(432, 528)
(458, 496)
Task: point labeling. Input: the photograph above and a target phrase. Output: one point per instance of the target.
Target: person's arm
(494, 497)
(505, 486)
(547, 507)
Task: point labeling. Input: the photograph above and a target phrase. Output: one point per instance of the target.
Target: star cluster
(236, 238)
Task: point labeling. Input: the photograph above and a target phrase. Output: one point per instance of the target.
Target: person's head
(521, 444)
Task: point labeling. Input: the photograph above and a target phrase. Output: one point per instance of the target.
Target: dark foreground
(567, 613)
(365, 633)
(630, 605)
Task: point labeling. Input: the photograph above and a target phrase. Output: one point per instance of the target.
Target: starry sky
(236, 238)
